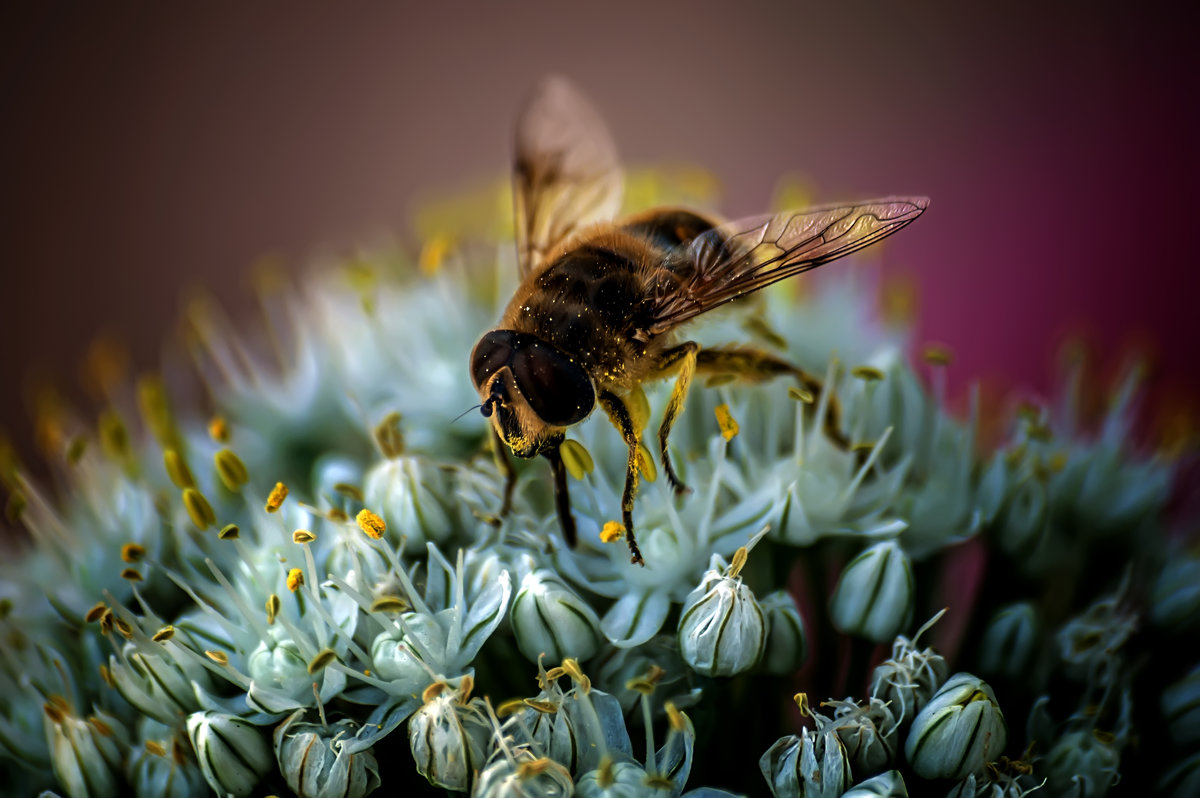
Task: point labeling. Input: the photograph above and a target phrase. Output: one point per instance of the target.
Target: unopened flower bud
(449, 740)
(156, 683)
(411, 495)
(232, 752)
(1009, 641)
(1175, 601)
(1181, 709)
(614, 780)
(523, 776)
(958, 731)
(787, 643)
(549, 618)
(813, 763)
(278, 666)
(722, 628)
(1083, 763)
(403, 655)
(874, 595)
(156, 771)
(85, 754)
(885, 785)
(315, 764)
(867, 732)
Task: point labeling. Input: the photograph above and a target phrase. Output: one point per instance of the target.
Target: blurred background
(150, 147)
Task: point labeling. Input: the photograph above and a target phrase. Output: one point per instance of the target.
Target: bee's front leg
(621, 418)
(506, 468)
(562, 498)
(683, 358)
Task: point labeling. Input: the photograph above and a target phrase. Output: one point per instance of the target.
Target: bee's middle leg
(756, 366)
(622, 419)
(683, 358)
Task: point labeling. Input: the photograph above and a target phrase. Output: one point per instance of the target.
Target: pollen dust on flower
(612, 532)
(726, 421)
(371, 524)
(276, 498)
(295, 579)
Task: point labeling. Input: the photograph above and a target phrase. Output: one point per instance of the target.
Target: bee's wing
(565, 175)
(744, 256)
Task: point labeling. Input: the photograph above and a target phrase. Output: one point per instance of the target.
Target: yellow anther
(229, 532)
(219, 657)
(433, 691)
(275, 499)
(55, 712)
(867, 373)
(390, 604)
(612, 532)
(527, 770)
(123, 628)
(321, 660)
(726, 421)
(95, 613)
(154, 748)
(1039, 432)
(571, 667)
(106, 622)
(389, 437)
(114, 437)
(738, 562)
(102, 728)
(302, 536)
(295, 579)
(132, 552)
(677, 719)
(862, 446)
(177, 469)
(273, 606)
(646, 465)
(1103, 737)
(576, 458)
(509, 707)
(164, 634)
(156, 411)
(658, 781)
(801, 395)
(801, 700)
(371, 524)
(337, 515)
(434, 253)
(131, 575)
(231, 469)
(106, 676)
(465, 685)
(198, 508)
(218, 429)
(348, 490)
(938, 355)
(758, 327)
(545, 707)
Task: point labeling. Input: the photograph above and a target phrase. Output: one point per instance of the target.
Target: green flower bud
(787, 643)
(619, 780)
(1081, 763)
(523, 776)
(412, 495)
(1009, 641)
(813, 765)
(549, 618)
(154, 771)
(85, 754)
(958, 731)
(156, 683)
(722, 628)
(874, 595)
(277, 664)
(397, 657)
(885, 785)
(1175, 602)
(232, 753)
(449, 740)
(1181, 708)
(315, 764)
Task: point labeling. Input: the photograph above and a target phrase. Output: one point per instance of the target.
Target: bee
(600, 302)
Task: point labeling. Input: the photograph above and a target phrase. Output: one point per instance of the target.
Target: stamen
(612, 532)
(218, 429)
(229, 532)
(131, 575)
(867, 373)
(132, 552)
(219, 657)
(276, 498)
(938, 355)
(389, 437)
(231, 470)
(371, 524)
(726, 421)
(95, 613)
(295, 579)
(321, 660)
(273, 607)
(198, 508)
(177, 469)
(302, 536)
(390, 604)
(164, 634)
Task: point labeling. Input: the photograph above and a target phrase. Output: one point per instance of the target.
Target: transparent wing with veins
(566, 175)
(743, 256)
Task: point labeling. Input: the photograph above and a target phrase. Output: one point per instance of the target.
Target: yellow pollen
(738, 562)
(302, 536)
(371, 524)
(295, 579)
(726, 421)
(527, 770)
(123, 628)
(337, 515)
(132, 552)
(545, 707)
(509, 707)
(275, 499)
(164, 634)
(612, 532)
(219, 657)
(198, 508)
(218, 429)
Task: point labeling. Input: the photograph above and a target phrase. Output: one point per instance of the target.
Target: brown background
(150, 146)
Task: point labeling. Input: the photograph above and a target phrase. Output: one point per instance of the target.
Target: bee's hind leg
(756, 366)
(562, 498)
(622, 419)
(683, 358)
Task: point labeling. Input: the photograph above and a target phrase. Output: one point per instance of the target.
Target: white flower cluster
(266, 595)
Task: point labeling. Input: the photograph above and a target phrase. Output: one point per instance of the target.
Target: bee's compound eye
(556, 388)
(492, 353)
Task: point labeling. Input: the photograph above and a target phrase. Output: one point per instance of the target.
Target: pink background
(146, 147)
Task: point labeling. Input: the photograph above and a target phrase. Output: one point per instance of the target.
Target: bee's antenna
(468, 410)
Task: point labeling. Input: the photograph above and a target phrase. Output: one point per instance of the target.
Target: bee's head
(531, 391)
